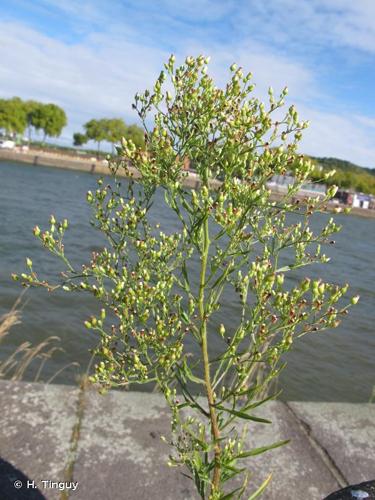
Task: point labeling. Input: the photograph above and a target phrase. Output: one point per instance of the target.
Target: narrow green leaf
(262, 449)
(190, 375)
(259, 403)
(185, 275)
(184, 317)
(244, 415)
(232, 468)
(261, 488)
(231, 494)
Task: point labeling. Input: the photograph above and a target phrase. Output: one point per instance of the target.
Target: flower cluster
(159, 323)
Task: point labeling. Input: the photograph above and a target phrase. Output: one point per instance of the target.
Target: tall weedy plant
(239, 235)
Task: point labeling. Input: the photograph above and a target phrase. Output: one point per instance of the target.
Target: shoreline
(88, 165)
(99, 166)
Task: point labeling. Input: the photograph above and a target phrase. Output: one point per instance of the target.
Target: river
(337, 365)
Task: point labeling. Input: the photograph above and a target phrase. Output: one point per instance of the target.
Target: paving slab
(347, 432)
(297, 470)
(120, 454)
(36, 422)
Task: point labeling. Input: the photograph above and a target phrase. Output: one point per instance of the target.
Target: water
(336, 365)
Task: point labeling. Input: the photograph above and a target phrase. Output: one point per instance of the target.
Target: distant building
(361, 200)
(344, 197)
(353, 199)
(282, 183)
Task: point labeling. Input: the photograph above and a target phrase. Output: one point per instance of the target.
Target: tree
(12, 115)
(136, 135)
(96, 131)
(31, 108)
(49, 118)
(115, 130)
(242, 242)
(79, 139)
(111, 130)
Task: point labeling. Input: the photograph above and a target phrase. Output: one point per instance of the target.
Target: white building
(361, 200)
(281, 183)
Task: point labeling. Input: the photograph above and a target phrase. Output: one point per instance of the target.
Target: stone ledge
(116, 451)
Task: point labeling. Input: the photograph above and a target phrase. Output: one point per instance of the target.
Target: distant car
(7, 144)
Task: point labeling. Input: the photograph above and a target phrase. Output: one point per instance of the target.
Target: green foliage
(243, 242)
(115, 129)
(95, 131)
(12, 115)
(49, 118)
(136, 135)
(16, 115)
(347, 175)
(31, 108)
(79, 139)
(111, 130)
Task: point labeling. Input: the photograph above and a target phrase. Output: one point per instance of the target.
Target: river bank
(91, 165)
(99, 166)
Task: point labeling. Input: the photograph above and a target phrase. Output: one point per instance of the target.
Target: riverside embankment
(74, 162)
(109, 446)
(100, 166)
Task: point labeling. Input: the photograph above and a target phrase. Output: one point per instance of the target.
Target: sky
(92, 56)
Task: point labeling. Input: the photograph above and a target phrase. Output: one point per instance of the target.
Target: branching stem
(206, 362)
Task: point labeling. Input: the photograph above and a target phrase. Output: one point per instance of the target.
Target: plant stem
(207, 377)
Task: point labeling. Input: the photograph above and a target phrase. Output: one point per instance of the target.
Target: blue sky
(92, 56)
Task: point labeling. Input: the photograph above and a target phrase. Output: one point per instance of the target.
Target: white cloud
(99, 75)
(352, 23)
(342, 137)
(365, 120)
(300, 23)
(85, 80)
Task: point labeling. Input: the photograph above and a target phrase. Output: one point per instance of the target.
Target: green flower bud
(280, 279)
(345, 288)
(354, 300)
(306, 285)
(29, 262)
(332, 191)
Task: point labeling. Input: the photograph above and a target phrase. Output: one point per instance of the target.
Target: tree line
(111, 130)
(347, 175)
(17, 115)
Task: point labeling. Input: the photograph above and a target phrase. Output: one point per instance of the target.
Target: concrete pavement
(109, 447)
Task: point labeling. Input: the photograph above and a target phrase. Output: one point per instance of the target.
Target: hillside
(348, 175)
